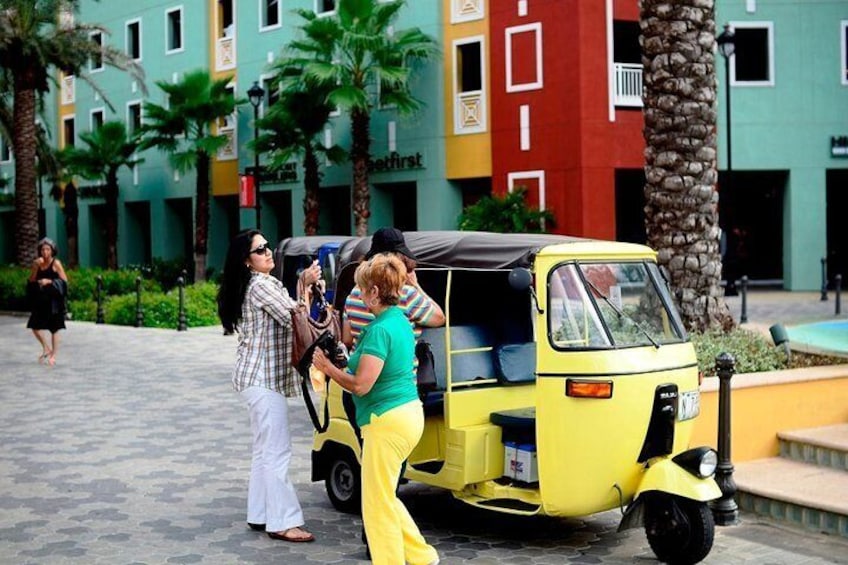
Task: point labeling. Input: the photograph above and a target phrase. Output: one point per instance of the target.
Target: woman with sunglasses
(258, 307)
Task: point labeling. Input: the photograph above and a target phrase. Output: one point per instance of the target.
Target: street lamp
(256, 94)
(727, 46)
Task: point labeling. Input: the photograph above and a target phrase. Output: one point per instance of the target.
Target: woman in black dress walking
(48, 286)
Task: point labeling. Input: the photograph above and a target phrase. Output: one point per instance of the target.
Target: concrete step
(826, 446)
(794, 492)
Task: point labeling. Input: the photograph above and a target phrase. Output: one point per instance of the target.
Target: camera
(335, 351)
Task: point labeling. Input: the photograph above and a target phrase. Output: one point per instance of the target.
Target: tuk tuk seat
(471, 353)
(517, 425)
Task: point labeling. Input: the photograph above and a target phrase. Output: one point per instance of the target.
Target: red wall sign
(247, 191)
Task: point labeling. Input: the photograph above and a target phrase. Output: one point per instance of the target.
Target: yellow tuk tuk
(566, 386)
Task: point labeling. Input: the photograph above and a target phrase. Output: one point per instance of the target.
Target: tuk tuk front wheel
(680, 531)
(343, 482)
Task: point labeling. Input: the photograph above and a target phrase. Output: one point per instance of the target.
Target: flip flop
(286, 536)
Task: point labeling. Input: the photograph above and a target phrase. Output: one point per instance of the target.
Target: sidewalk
(135, 449)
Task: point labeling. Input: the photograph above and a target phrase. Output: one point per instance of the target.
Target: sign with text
(839, 146)
(394, 161)
(287, 173)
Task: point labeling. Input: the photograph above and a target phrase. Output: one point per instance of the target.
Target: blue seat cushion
(516, 362)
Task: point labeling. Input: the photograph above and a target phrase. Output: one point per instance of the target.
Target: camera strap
(303, 370)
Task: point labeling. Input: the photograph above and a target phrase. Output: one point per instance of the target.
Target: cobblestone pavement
(134, 449)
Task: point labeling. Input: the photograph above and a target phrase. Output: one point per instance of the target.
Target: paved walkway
(134, 449)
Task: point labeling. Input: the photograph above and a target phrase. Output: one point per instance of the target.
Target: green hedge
(752, 351)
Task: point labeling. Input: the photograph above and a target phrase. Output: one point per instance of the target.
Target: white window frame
(168, 13)
(327, 13)
(843, 71)
(127, 25)
(132, 104)
(262, 11)
(754, 25)
(484, 124)
(65, 119)
(508, 33)
(91, 113)
(539, 175)
(91, 68)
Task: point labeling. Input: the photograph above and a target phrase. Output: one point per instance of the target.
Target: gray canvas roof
(480, 250)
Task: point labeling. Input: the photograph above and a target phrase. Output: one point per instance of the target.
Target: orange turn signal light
(588, 389)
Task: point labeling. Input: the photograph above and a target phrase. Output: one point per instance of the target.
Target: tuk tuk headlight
(701, 461)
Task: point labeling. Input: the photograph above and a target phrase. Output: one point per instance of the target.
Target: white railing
(466, 10)
(628, 85)
(69, 94)
(225, 54)
(470, 112)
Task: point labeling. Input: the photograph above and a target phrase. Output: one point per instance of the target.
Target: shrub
(161, 310)
(13, 288)
(82, 283)
(753, 352)
(507, 214)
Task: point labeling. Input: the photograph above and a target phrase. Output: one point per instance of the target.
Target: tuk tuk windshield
(602, 305)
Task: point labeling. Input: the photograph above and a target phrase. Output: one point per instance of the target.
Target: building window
(68, 131)
(225, 17)
(269, 13)
(753, 59)
(133, 117)
(325, 7)
(96, 61)
(469, 94)
(133, 39)
(524, 47)
(272, 93)
(843, 72)
(97, 118)
(174, 31)
(5, 150)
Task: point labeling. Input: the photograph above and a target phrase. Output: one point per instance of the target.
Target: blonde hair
(386, 272)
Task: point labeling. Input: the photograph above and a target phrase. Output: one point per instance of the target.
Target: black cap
(389, 240)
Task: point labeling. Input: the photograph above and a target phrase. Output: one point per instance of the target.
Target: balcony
(628, 85)
(225, 53)
(68, 89)
(227, 127)
(470, 112)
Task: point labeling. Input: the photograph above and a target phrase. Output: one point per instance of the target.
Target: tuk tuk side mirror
(521, 279)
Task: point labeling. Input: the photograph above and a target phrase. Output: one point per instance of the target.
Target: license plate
(688, 405)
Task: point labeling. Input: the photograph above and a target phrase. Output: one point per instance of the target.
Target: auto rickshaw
(566, 386)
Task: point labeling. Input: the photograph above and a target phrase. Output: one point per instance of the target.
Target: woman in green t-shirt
(382, 381)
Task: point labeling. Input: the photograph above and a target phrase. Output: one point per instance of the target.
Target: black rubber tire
(344, 486)
(683, 536)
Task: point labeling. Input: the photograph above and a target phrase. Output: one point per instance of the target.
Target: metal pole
(744, 284)
(727, 100)
(256, 181)
(824, 279)
(99, 319)
(181, 321)
(139, 313)
(725, 511)
(837, 282)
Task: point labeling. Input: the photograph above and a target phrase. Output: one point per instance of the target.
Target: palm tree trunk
(359, 156)
(681, 210)
(201, 216)
(23, 142)
(112, 219)
(71, 210)
(312, 183)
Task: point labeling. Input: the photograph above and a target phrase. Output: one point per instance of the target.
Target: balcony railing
(628, 85)
(225, 54)
(68, 89)
(229, 151)
(470, 112)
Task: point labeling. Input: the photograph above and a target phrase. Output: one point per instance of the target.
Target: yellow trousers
(393, 537)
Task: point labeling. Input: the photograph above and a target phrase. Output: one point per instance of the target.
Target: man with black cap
(421, 310)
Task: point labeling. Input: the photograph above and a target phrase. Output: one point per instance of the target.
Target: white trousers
(271, 498)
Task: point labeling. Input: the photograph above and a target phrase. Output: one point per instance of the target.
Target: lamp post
(256, 94)
(727, 46)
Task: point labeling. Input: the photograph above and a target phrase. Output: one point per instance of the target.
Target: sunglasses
(261, 250)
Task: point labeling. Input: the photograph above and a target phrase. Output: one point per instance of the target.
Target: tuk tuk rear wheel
(680, 531)
(343, 484)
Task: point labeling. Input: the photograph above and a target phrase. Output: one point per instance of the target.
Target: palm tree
(182, 129)
(291, 127)
(108, 149)
(353, 53)
(38, 37)
(678, 56)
